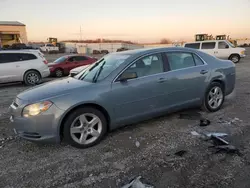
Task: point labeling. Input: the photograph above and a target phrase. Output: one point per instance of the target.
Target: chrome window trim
(162, 51)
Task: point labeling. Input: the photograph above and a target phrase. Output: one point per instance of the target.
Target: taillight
(45, 62)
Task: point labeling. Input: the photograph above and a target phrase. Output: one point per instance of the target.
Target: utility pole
(80, 33)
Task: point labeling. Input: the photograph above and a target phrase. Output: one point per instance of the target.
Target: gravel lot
(117, 159)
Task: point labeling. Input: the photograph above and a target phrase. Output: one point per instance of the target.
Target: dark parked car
(104, 51)
(121, 88)
(121, 49)
(64, 64)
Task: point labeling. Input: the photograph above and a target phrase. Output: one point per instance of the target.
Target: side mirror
(127, 76)
(226, 46)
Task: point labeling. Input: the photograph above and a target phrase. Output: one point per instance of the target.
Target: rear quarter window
(193, 45)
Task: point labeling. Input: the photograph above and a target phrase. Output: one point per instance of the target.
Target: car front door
(185, 80)
(81, 60)
(9, 67)
(142, 95)
(209, 48)
(71, 63)
(223, 50)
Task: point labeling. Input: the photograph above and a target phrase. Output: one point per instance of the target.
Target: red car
(64, 64)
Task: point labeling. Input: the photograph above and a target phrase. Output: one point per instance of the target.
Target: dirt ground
(117, 159)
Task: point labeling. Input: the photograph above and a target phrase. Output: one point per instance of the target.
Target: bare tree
(165, 41)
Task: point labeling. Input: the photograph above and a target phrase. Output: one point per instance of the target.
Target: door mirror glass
(127, 75)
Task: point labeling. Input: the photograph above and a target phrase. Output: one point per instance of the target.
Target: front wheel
(85, 127)
(235, 58)
(214, 97)
(59, 73)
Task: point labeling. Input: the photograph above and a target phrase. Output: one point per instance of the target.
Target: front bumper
(243, 55)
(42, 128)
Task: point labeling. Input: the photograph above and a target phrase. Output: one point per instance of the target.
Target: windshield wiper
(98, 72)
(84, 72)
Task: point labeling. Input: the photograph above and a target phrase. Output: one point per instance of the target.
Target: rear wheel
(32, 78)
(59, 73)
(85, 127)
(235, 58)
(214, 97)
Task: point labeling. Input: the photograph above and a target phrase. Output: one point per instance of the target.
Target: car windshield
(230, 44)
(60, 60)
(102, 68)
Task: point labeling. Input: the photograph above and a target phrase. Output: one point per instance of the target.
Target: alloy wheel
(59, 73)
(215, 97)
(32, 78)
(86, 128)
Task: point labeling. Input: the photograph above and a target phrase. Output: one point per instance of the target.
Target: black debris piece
(204, 122)
(181, 153)
(228, 149)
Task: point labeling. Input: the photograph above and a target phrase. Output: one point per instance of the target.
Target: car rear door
(142, 95)
(209, 48)
(186, 79)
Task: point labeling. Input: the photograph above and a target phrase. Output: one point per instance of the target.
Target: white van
(222, 49)
(28, 66)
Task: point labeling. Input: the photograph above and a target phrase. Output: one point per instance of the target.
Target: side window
(208, 45)
(80, 58)
(180, 60)
(71, 59)
(9, 57)
(223, 45)
(148, 65)
(26, 57)
(193, 45)
(197, 60)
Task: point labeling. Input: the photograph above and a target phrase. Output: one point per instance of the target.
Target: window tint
(193, 45)
(180, 60)
(149, 65)
(14, 57)
(208, 45)
(71, 59)
(80, 58)
(222, 45)
(197, 60)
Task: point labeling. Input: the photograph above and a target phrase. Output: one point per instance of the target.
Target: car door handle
(161, 80)
(204, 72)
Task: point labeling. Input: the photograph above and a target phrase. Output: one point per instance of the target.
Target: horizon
(139, 22)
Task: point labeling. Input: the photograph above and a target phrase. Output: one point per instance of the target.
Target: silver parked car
(119, 89)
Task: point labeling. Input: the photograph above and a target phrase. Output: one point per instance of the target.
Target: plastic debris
(194, 133)
(137, 144)
(136, 183)
(228, 149)
(204, 122)
(216, 134)
(181, 153)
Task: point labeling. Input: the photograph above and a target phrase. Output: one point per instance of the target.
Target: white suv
(28, 66)
(222, 49)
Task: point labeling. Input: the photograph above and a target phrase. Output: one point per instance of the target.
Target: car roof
(204, 41)
(20, 51)
(145, 51)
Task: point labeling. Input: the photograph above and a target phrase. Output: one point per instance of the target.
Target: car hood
(79, 69)
(52, 89)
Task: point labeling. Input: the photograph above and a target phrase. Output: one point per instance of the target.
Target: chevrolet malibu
(120, 89)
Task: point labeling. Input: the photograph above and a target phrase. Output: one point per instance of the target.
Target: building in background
(12, 32)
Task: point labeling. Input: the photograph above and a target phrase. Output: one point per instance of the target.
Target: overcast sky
(136, 20)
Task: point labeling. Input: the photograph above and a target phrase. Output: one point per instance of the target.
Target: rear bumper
(45, 73)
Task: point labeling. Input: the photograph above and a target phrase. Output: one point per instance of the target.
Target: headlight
(37, 108)
(242, 52)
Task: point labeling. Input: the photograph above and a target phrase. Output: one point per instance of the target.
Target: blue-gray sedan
(119, 89)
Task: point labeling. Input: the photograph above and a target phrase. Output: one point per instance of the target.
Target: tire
(74, 130)
(235, 58)
(59, 73)
(211, 96)
(32, 78)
